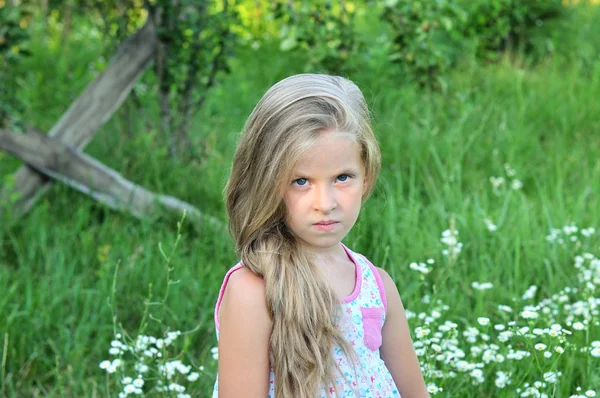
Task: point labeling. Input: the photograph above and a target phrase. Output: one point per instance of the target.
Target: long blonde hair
(303, 307)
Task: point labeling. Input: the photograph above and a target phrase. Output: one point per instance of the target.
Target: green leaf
(288, 43)
(446, 22)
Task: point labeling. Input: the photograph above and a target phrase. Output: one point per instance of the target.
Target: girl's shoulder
(245, 280)
(241, 290)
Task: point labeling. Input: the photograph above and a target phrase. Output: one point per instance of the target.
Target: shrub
(500, 25)
(429, 37)
(324, 28)
(426, 36)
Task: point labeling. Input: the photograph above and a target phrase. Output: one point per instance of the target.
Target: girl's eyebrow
(348, 170)
(345, 170)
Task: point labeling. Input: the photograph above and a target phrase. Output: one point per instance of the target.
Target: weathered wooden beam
(64, 163)
(93, 108)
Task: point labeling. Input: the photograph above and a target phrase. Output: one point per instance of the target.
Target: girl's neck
(333, 255)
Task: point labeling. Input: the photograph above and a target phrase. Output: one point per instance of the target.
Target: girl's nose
(325, 200)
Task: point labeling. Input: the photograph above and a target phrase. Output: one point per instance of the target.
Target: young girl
(302, 315)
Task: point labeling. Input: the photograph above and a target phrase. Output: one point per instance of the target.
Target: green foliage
(256, 22)
(499, 25)
(14, 33)
(195, 42)
(325, 29)
(195, 33)
(430, 36)
(427, 35)
(138, 362)
(119, 18)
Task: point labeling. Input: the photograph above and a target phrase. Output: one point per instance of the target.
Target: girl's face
(323, 198)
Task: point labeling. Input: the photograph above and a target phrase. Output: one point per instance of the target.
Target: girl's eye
(343, 177)
(300, 182)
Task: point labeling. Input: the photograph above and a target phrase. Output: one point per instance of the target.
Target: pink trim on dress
(222, 291)
(358, 276)
(379, 283)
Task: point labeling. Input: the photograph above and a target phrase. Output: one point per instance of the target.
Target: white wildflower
(497, 182)
(516, 184)
(432, 388)
(215, 353)
(114, 351)
(482, 285)
(587, 232)
(530, 293)
(551, 377)
(141, 368)
(450, 239)
(509, 170)
(490, 225)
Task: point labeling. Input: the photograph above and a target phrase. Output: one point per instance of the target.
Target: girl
(302, 315)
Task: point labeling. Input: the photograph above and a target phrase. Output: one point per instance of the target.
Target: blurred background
(487, 113)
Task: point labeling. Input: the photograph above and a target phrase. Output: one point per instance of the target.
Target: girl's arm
(397, 350)
(244, 332)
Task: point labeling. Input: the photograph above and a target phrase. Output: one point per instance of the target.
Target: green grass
(440, 149)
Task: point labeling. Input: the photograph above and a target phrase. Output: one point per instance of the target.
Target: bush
(429, 37)
(500, 25)
(426, 36)
(324, 28)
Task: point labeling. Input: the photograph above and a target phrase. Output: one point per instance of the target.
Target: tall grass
(440, 150)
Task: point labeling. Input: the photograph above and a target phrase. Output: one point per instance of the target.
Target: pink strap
(223, 286)
(357, 276)
(379, 282)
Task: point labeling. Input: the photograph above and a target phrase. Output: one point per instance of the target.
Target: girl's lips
(326, 226)
(327, 221)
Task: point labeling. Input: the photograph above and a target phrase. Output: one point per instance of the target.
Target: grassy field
(507, 154)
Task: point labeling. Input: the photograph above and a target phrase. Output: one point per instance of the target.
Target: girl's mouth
(326, 225)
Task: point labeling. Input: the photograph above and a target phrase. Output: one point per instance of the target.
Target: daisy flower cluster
(453, 246)
(517, 349)
(586, 394)
(499, 183)
(142, 366)
(423, 268)
(569, 233)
